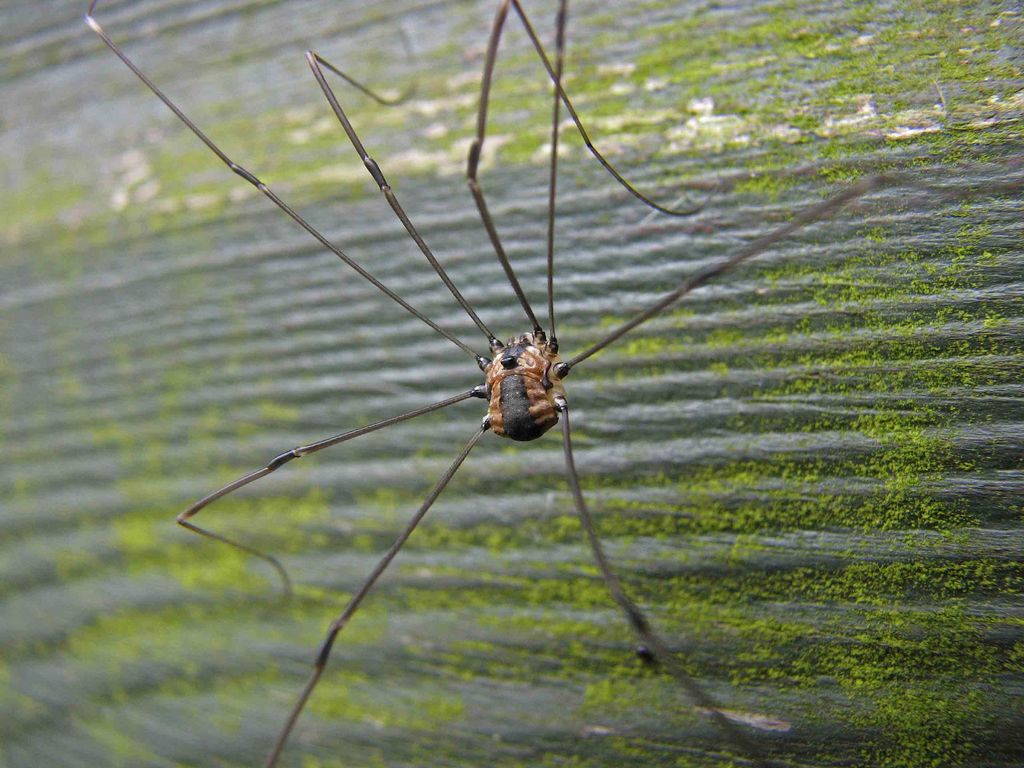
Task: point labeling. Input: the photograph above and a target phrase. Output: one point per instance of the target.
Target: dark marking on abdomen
(516, 402)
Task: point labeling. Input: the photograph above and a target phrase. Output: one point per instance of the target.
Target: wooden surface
(810, 472)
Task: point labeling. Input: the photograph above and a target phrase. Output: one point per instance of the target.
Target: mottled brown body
(522, 386)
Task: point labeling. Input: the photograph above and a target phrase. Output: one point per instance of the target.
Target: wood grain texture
(809, 473)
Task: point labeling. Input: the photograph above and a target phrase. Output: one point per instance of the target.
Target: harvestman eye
(525, 394)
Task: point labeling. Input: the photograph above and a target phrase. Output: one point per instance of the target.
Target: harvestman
(522, 378)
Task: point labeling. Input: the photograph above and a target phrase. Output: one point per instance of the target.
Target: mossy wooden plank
(808, 472)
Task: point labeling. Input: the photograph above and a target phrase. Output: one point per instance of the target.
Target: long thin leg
(560, 22)
(556, 79)
(353, 605)
(315, 63)
(802, 219)
(252, 179)
(637, 620)
(473, 163)
(383, 100)
(476, 148)
(184, 519)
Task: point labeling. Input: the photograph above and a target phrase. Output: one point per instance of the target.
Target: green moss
(764, 185)
(122, 749)
(272, 410)
(390, 503)
(149, 540)
(358, 700)
(924, 721)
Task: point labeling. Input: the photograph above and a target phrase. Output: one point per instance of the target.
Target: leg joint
(236, 168)
(375, 171)
(325, 648)
(473, 161)
(284, 458)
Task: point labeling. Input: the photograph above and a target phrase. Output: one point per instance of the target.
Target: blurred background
(809, 472)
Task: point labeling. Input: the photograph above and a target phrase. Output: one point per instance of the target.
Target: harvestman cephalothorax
(523, 377)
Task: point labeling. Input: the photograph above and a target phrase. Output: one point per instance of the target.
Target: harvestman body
(523, 377)
(524, 387)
